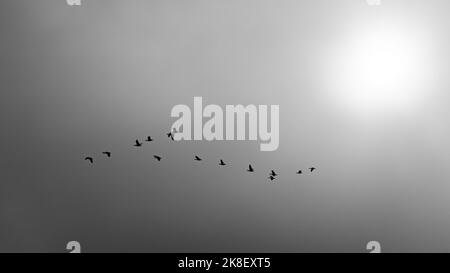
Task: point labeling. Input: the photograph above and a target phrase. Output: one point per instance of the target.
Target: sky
(363, 97)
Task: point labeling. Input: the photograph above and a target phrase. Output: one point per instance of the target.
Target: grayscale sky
(363, 95)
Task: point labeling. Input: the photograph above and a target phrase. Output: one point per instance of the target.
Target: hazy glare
(76, 81)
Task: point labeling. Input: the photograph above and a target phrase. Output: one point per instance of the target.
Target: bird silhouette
(272, 174)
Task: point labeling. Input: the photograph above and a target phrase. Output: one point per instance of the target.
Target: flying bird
(271, 178)
(90, 159)
(299, 172)
(250, 169)
(108, 154)
(149, 138)
(157, 157)
(272, 173)
(137, 144)
(312, 169)
(222, 163)
(197, 158)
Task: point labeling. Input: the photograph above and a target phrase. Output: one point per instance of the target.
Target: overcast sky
(76, 81)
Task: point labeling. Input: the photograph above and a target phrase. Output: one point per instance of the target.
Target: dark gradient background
(76, 81)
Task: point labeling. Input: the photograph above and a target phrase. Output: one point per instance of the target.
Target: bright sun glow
(380, 70)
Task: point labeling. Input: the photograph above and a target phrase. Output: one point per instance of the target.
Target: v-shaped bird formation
(272, 174)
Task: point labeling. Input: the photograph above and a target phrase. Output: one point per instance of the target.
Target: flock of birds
(272, 175)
